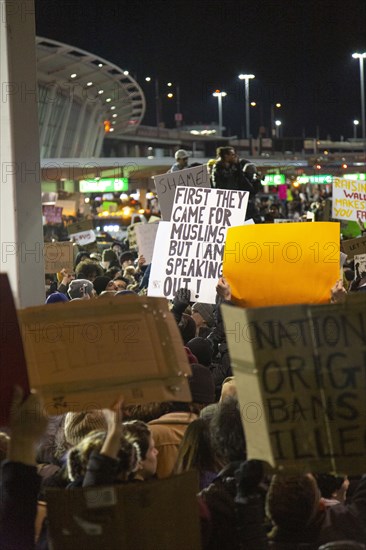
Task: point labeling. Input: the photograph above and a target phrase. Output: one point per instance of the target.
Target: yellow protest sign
(279, 264)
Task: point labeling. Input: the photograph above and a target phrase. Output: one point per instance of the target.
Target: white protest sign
(84, 237)
(166, 185)
(349, 199)
(145, 236)
(189, 249)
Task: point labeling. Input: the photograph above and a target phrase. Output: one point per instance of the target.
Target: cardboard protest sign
(189, 249)
(351, 247)
(145, 236)
(58, 255)
(52, 214)
(131, 232)
(274, 264)
(300, 374)
(82, 232)
(69, 208)
(13, 368)
(87, 354)
(349, 199)
(360, 265)
(166, 185)
(105, 517)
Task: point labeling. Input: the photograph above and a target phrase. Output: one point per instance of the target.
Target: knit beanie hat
(56, 297)
(78, 425)
(76, 287)
(206, 311)
(202, 385)
(100, 283)
(125, 256)
(109, 255)
(202, 349)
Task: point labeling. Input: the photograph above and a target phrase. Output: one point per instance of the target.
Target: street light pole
(278, 125)
(247, 77)
(361, 57)
(219, 96)
(355, 124)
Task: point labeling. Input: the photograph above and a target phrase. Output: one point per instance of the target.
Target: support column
(20, 189)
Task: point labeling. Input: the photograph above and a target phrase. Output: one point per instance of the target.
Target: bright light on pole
(361, 57)
(220, 95)
(355, 124)
(274, 130)
(278, 123)
(246, 78)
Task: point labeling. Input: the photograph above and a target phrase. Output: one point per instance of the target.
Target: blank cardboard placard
(58, 255)
(300, 374)
(88, 354)
(145, 236)
(13, 368)
(106, 517)
(279, 264)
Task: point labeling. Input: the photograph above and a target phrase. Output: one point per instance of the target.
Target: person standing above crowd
(181, 161)
(230, 172)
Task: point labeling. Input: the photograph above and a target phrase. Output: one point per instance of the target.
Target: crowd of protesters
(238, 504)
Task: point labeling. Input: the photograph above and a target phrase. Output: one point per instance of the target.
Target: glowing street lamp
(220, 95)
(246, 77)
(278, 124)
(361, 57)
(355, 124)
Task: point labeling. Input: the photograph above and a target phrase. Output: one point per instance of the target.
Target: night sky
(299, 51)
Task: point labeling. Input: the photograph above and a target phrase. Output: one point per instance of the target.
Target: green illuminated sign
(274, 179)
(355, 176)
(316, 179)
(104, 185)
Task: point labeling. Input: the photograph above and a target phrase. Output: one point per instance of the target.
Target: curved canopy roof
(90, 78)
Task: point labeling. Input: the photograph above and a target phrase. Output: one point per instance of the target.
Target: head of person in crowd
(103, 283)
(195, 451)
(80, 256)
(202, 349)
(96, 257)
(273, 212)
(127, 258)
(250, 170)
(74, 427)
(139, 435)
(228, 389)
(121, 282)
(202, 386)
(187, 328)
(181, 157)
(88, 269)
(118, 248)
(78, 456)
(109, 258)
(227, 155)
(56, 297)
(227, 434)
(80, 288)
(292, 504)
(332, 488)
(203, 315)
